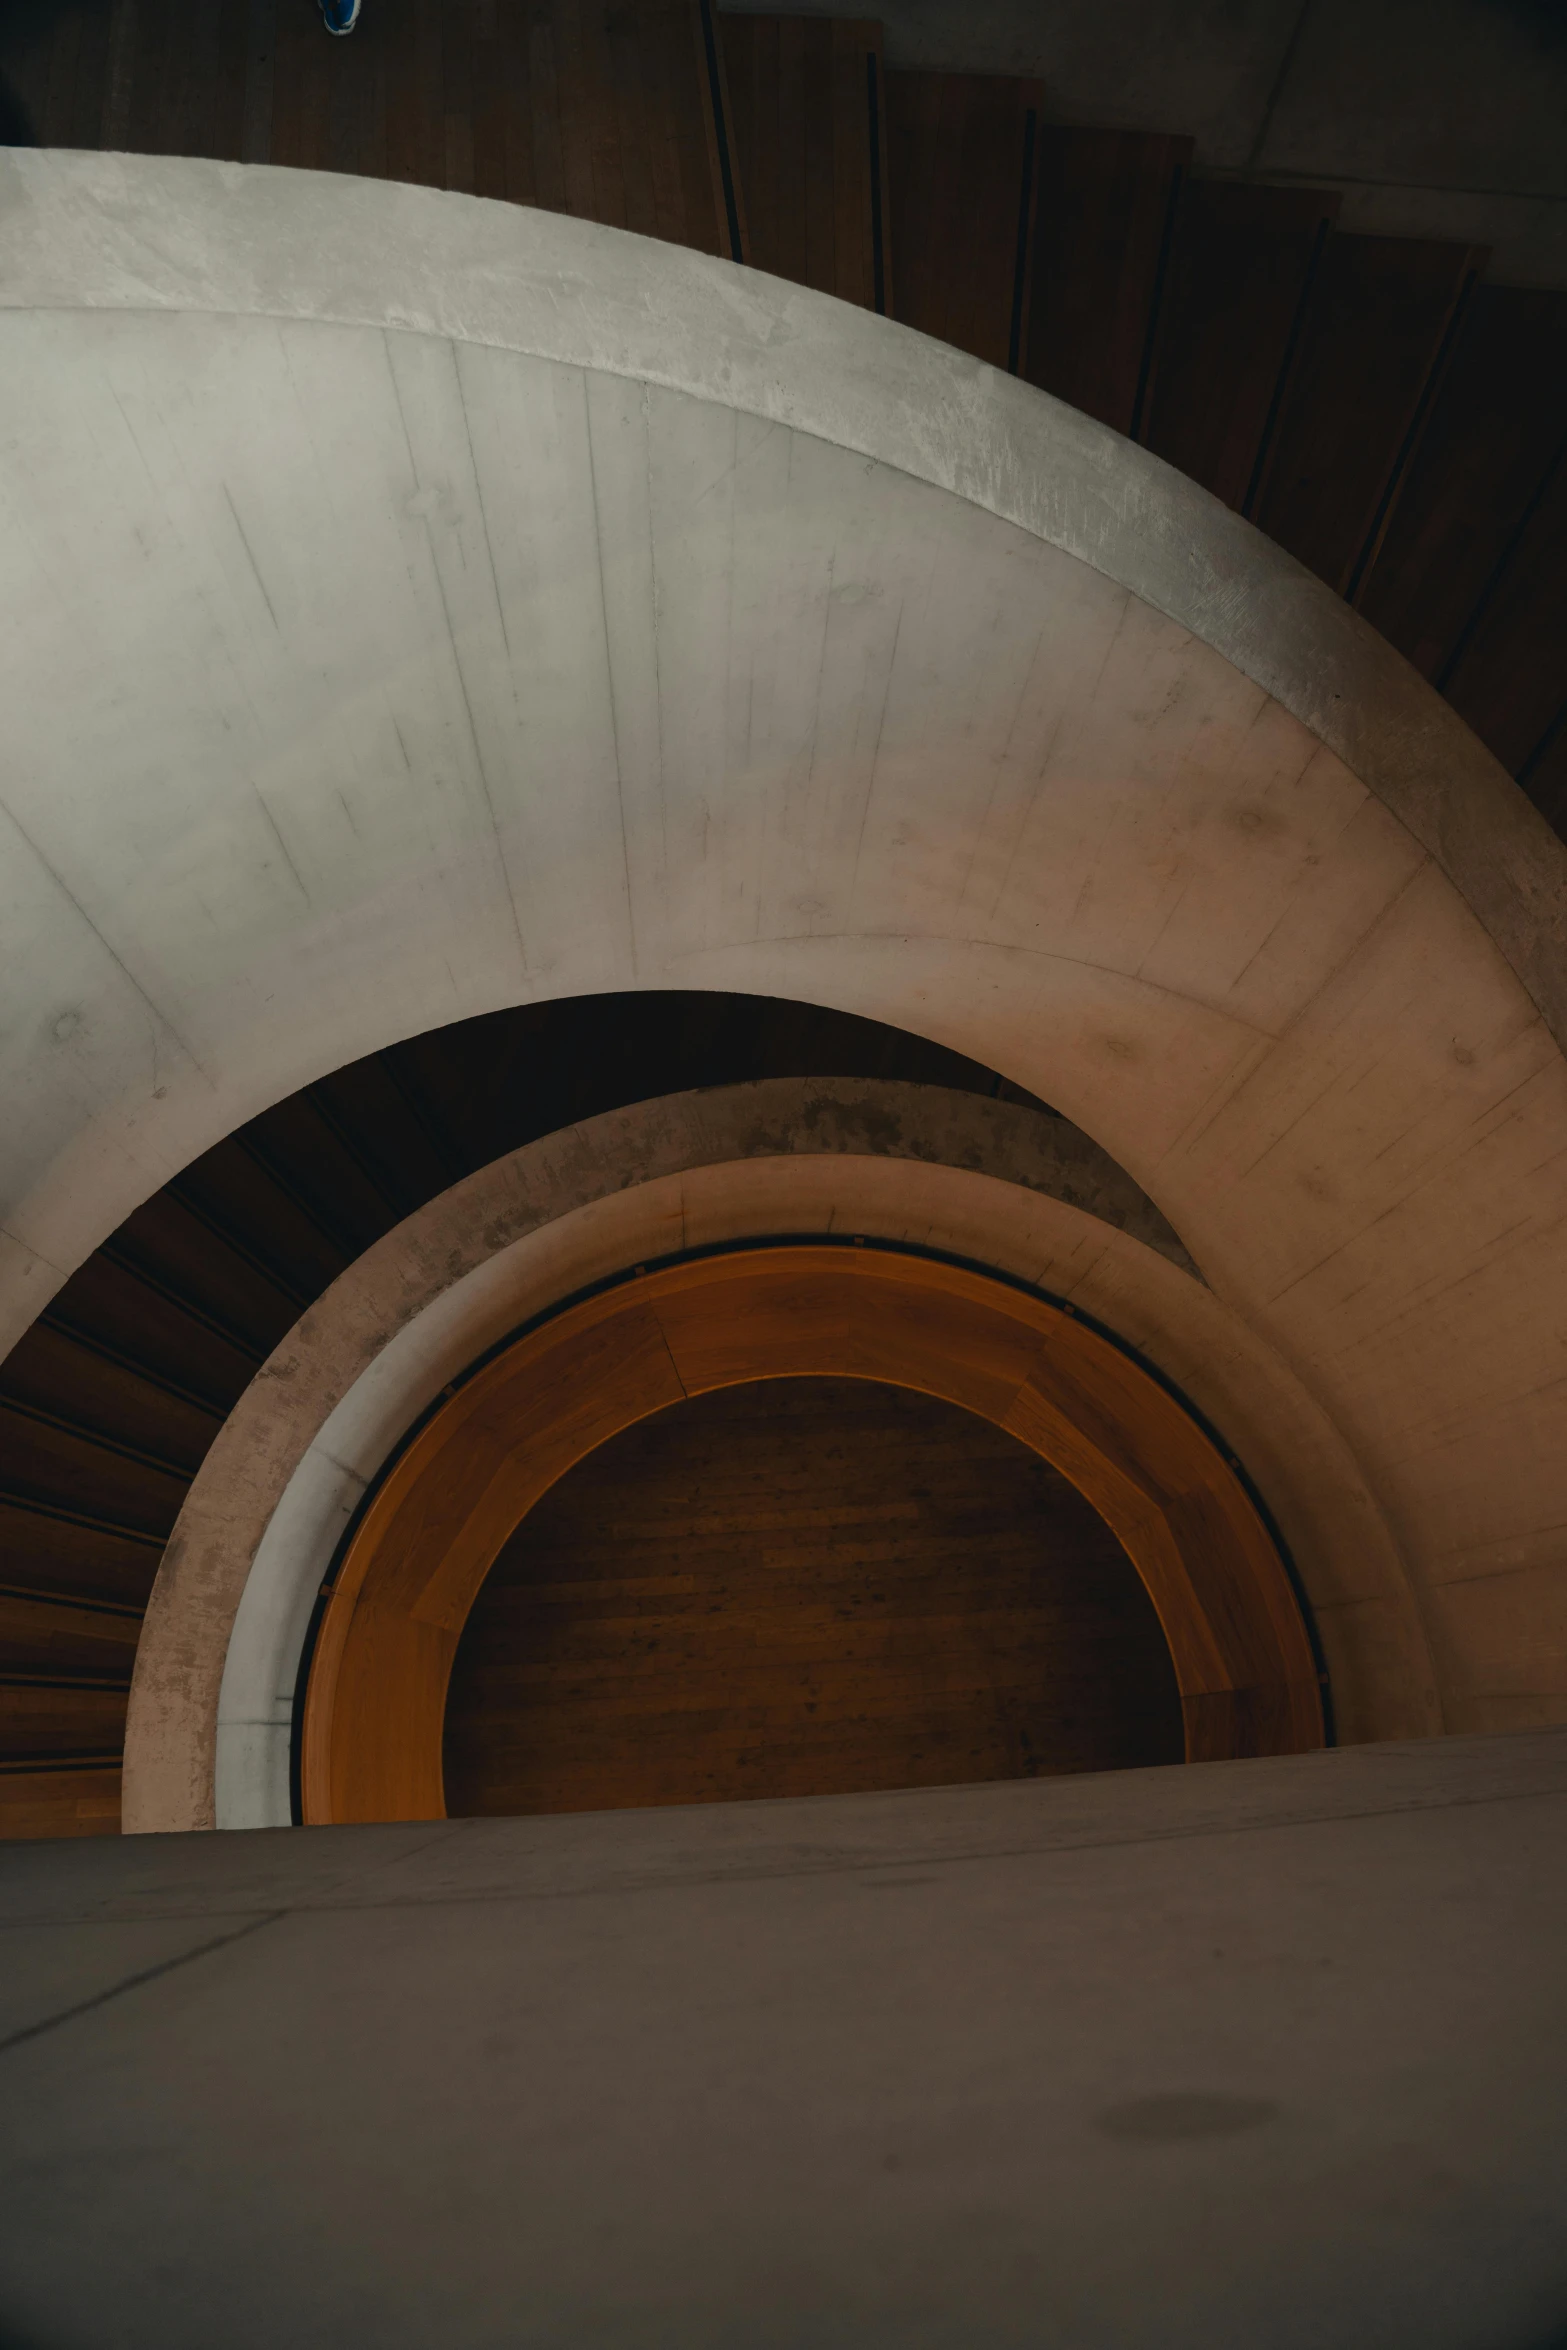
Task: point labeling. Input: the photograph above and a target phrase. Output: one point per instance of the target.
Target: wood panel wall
(1368, 361)
(804, 99)
(963, 161)
(1105, 217)
(803, 1587)
(605, 110)
(108, 1405)
(1242, 265)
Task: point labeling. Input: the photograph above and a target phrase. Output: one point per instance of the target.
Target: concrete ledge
(1165, 2060)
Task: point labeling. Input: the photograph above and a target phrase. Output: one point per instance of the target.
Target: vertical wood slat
(404, 95)
(612, 117)
(857, 165)
(814, 132)
(144, 105)
(226, 115)
(344, 87)
(963, 166)
(210, 116)
(587, 144)
(489, 101)
(571, 79)
(1102, 230)
(180, 95)
(684, 123)
(429, 80)
(372, 117)
(762, 58)
(260, 68)
(37, 63)
(1379, 317)
(431, 91)
(715, 118)
(203, 119)
(1494, 434)
(882, 295)
(89, 93)
(1510, 681)
(457, 95)
(810, 152)
(19, 103)
(288, 38)
(1544, 776)
(57, 110)
(346, 99)
(119, 71)
(650, 179)
(542, 152)
(321, 88)
(710, 165)
(1241, 267)
(513, 102)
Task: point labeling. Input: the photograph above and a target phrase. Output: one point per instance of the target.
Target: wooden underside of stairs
(1374, 404)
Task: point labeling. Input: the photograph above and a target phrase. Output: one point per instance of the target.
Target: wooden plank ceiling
(1396, 421)
(803, 1587)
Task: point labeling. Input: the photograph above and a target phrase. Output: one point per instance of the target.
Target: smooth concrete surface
(1191, 2059)
(416, 605)
(1433, 118)
(212, 1704)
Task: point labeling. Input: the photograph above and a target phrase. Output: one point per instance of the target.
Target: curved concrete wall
(415, 606)
(212, 1707)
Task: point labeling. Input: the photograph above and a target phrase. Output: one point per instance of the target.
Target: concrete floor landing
(1268, 2054)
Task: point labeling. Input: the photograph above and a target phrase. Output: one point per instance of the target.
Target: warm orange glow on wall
(377, 1690)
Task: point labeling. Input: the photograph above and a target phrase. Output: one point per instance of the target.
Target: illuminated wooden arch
(376, 1695)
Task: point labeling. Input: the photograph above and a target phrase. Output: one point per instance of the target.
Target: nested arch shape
(550, 612)
(376, 1697)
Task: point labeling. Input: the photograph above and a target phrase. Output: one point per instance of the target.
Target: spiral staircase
(1374, 404)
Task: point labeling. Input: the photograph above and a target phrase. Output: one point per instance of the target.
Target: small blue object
(340, 16)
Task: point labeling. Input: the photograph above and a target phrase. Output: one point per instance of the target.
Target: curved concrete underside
(415, 606)
(212, 1708)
